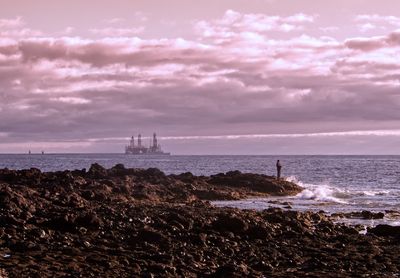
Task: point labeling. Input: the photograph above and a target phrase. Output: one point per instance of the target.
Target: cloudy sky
(210, 77)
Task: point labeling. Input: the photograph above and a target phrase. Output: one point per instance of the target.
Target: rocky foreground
(141, 223)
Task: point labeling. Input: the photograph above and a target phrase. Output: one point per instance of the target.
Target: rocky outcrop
(122, 222)
(146, 184)
(360, 214)
(385, 231)
(255, 182)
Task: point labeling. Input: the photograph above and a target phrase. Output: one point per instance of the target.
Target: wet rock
(365, 214)
(370, 215)
(385, 230)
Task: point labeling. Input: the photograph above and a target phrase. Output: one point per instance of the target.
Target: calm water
(333, 183)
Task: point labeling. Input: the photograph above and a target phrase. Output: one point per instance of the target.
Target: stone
(230, 223)
(385, 230)
(97, 171)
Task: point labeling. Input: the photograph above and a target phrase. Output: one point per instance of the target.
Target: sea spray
(319, 192)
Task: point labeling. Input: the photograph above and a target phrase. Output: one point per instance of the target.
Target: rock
(118, 170)
(78, 224)
(151, 236)
(385, 231)
(89, 220)
(365, 214)
(185, 177)
(65, 223)
(255, 182)
(18, 247)
(97, 171)
(230, 223)
(231, 270)
(259, 232)
(154, 176)
(370, 215)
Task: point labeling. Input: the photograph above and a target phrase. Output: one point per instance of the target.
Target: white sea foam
(375, 193)
(320, 192)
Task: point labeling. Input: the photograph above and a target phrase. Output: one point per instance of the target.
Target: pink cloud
(242, 79)
(394, 38)
(329, 29)
(15, 28)
(366, 44)
(367, 27)
(115, 20)
(372, 43)
(72, 100)
(117, 32)
(234, 22)
(380, 19)
(370, 22)
(11, 23)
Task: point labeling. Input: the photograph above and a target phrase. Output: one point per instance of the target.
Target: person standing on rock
(278, 169)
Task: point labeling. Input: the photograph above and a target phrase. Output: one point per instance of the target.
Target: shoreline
(368, 218)
(122, 222)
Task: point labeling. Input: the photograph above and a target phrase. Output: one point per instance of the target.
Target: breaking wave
(329, 193)
(321, 192)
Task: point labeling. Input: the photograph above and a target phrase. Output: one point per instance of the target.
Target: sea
(333, 184)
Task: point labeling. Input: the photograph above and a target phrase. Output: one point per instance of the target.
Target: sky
(209, 77)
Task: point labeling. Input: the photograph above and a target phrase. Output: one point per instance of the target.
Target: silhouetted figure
(278, 169)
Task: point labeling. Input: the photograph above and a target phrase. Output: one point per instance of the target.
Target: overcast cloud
(266, 83)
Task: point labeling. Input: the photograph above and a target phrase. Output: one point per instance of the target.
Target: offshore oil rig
(153, 149)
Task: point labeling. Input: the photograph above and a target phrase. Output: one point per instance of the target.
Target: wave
(329, 193)
(321, 192)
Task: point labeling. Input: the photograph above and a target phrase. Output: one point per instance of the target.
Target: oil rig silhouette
(140, 149)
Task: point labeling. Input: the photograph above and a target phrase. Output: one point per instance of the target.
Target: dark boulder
(97, 171)
(385, 230)
(154, 175)
(230, 223)
(118, 170)
(371, 215)
(185, 177)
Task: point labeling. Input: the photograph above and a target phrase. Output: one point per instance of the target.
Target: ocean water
(332, 183)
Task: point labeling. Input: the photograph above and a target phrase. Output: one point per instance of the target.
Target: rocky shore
(122, 222)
